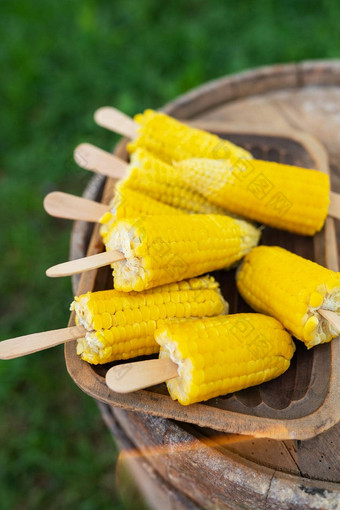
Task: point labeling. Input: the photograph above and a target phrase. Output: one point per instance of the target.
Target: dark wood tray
(301, 403)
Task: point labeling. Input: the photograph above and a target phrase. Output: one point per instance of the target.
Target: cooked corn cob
(223, 354)
(171, 140)
(128, 203)
(291, 289)
(282, 196)
(162, 249)
(122, 326)
(158, 180)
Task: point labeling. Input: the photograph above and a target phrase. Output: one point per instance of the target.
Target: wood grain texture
(211, 475)
(147, 489)
(302, 474)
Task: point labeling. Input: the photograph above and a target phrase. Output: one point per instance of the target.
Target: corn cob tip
(292, 289)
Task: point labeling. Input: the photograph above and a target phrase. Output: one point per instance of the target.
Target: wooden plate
(302, 402)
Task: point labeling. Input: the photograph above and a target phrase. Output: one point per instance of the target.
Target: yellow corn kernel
(171, 140)
(315, 300)
(253, 349)
(106, 217)
(161, 249)
(126, 322)
(311, 324)
(291, 289)
(282, 196)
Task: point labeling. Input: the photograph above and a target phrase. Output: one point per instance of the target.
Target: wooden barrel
(177, 465)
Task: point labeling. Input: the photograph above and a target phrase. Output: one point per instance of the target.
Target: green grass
(60, 60)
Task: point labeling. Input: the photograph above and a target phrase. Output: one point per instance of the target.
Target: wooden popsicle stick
(84, 264)
(115, 120)
(28, 344)
(140, 374)
(332, 317)
(334, 205)
(97, 160)
(71, 207)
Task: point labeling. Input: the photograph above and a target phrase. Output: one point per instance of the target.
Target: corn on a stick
(257, 185)
(249, 188)
(154, 250)
(113, 325)
(160, 250)
(206, 358)
(122, 326)
(166, 137)
(292, 289)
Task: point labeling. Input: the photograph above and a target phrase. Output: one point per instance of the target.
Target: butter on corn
(220, 355)
(164, 249)
(292, 289)
(171, 140)
(282, 196)
(122, 326)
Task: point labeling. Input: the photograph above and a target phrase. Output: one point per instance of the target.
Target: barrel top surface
(303, 97)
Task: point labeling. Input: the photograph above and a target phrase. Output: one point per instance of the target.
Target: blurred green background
(60, 60)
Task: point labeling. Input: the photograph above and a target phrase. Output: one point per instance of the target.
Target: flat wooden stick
(114, 120)
(332, 317)
(141, 374)
(28, 344)
(334, 205)
(71, 207)
(84, 264)
(92, 158)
